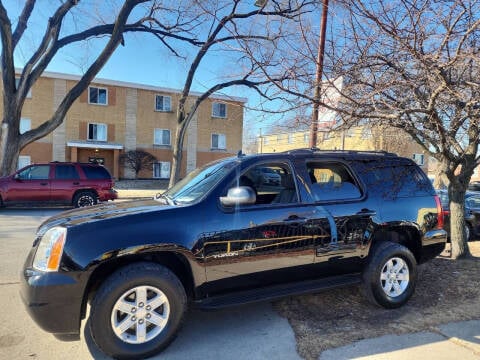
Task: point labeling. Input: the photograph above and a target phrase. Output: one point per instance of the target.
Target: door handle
(367, 212)
(76, 183)
(44, 183)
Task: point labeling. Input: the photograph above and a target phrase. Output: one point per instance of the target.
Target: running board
(276, 291)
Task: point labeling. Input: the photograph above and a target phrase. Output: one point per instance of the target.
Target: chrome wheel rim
(86, 200)
(140, 314)
(395, 277)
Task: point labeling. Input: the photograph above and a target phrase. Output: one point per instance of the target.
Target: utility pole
(318, 75)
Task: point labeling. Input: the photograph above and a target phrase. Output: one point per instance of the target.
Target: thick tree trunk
(9, 150)
(457, 222)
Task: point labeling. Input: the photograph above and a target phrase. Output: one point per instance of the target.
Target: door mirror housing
(241, 195)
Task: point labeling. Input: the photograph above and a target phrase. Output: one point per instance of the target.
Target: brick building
(112, 117)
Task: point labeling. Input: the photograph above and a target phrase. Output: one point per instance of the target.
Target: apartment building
(112, 117)
(362, 138)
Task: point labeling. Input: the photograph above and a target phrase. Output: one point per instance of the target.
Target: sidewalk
(139, 189)
(459, 341)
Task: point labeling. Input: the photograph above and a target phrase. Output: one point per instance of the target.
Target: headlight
(50, 249)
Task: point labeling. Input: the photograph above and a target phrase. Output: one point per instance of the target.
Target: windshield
(199, 182)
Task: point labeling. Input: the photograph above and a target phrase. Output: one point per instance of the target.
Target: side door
(64, 182)
(335, 188)
(266, 243)
(30, 184)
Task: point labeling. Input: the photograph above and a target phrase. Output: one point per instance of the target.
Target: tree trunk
(9, 150)
(177, 154)
(457, 222)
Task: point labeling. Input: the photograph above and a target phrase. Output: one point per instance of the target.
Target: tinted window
(66, 172)
(332, 181)
(39, 172)
(95, 172)
(391, 179)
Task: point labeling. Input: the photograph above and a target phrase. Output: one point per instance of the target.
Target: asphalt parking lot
(253, 332)
(247, 332)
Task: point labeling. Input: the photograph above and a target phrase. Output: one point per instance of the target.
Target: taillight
(440, 213)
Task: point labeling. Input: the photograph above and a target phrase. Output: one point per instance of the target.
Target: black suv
(220, 237)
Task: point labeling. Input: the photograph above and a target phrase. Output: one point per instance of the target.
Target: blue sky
(142, 60)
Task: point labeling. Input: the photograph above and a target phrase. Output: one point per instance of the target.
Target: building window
(163, 103)
(218, 141)
(29, 93)
(25, 125)
(161, 170)
(290, 138)
(161, 137)
(265, 140)
(306, 137)
(219, 110)
(419, 159)
(97, 132)
(279, 138)
(97, 95)
(23, 160)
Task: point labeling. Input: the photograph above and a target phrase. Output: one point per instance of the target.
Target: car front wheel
(137, 311)
(390, 276)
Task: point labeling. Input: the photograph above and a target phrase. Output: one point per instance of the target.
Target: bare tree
(414, 65)
(137, 160)
(251, 36)
(57, 36)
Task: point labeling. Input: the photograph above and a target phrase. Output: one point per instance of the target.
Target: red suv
(77, 184)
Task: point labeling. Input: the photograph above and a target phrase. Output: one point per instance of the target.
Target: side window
(95, 172)
(39, 172)
(332, 181)
(66, 172)
(273, 183)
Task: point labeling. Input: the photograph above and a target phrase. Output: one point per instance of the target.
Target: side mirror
(242, 195)
(16, 177)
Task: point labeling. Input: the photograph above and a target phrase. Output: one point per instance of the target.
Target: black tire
(383, 284)
(127, 280)
(468, 231)
(84, 198)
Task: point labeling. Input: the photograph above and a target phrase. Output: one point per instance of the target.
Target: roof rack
(345, 152)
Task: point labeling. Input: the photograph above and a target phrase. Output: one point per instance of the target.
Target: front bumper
(53, 300)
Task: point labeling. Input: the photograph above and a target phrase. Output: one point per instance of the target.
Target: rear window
(95, 172)
(393, 179)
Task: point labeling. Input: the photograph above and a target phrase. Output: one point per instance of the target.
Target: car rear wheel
(137, 311)
(390, 276)
(84, 198)
(468, 232)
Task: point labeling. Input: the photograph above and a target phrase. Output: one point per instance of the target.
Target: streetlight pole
(318, 75)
